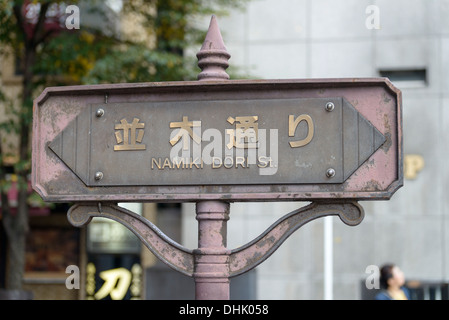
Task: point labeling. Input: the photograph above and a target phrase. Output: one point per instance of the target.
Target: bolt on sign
(234, 140)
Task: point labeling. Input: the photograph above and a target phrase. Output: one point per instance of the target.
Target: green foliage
(172, 24)
(135, 63)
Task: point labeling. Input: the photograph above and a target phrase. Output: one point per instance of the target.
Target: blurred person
(392, 281)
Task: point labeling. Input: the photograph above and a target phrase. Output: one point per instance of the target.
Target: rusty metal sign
(234, 140)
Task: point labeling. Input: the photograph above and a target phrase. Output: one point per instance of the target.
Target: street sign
(237, 140)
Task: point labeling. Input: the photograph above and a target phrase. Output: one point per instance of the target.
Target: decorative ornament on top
(213, 56)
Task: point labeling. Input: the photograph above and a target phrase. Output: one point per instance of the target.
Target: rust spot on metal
(388, 141)
(386, 98)
(372, 185)
(265, 241)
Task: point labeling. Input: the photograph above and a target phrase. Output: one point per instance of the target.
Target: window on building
(407, 78)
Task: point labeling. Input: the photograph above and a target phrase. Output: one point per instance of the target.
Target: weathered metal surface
(129, 143)
(59, 112)
(213, 56)
(212, 257)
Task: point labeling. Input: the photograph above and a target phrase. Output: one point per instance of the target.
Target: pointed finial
(213, 56)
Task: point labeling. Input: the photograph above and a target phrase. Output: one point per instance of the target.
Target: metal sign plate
(236, 140)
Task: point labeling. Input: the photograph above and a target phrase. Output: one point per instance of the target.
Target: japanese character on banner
(293, 124)
(245, 135)
(129, 135)
(185, 132)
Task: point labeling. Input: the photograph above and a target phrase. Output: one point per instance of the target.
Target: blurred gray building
(409, 43)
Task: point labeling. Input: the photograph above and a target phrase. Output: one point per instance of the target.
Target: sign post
(215, 141)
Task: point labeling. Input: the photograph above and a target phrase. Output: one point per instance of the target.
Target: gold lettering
(197, 165)
(131, 134)
(228, 166)
(178, 162)
(186, 130)
(214, 165)
(155, 162)
(167, 163)
(228, 162)
(246, 132)
(293, 123)
(413, 163)
(240, 161)
(263, 163)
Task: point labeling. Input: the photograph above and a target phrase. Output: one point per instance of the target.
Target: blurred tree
(147, 47)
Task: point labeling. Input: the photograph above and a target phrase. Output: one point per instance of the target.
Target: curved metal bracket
(255, 252)
(241, 259)
(170, 252)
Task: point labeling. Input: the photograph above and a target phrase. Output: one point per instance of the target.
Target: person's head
(391, 276)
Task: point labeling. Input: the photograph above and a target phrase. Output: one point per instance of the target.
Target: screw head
(330, 106)
(98, 175)
(99, 113)
(330, 173)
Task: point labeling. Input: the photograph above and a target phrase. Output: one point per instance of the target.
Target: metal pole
(211, 269)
